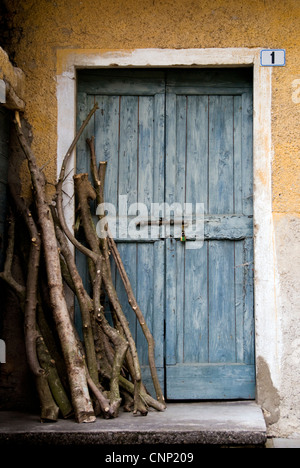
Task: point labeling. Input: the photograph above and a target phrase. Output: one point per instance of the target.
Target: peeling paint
(65, 59)
(268, 395)
(263, 177)
(296, 91)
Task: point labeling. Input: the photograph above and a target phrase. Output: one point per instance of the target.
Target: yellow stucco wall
(119, 24)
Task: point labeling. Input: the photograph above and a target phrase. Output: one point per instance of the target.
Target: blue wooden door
(182, 137)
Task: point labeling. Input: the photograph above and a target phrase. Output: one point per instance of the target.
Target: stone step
(213, 423)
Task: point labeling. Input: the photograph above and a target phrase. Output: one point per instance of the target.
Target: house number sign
(272, 58)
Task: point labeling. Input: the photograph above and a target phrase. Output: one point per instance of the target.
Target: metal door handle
(161, 221)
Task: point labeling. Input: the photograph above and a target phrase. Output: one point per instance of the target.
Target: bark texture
(93, 375)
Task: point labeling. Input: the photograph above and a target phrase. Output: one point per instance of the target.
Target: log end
(86, 417)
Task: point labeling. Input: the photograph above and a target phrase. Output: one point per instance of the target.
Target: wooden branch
(99, 178)
(84, 303)
(109, 410)
(6, 275)
(53, 352)
(84, 192)
(74, 362)
(44, 379)
(49, 409)
(91, 143)
(120, 345)
(74, 143)
(104, 403)
(31, 333)
(132, 357)
(135, 307)
(59, 193)
(99, 181)
(145, 397)
(108, 352)
(54, 382)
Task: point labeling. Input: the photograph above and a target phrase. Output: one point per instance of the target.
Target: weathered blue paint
(210, 336)
(181, 136)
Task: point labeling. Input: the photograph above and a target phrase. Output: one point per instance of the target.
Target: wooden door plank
(127, 183)
(158, 164)
(145, 159)
(221, 154)
(249, 351)
(195, 318)
(210, 78)
(145, 293)
(128, 253)
(159, 149)
(239, 298)
(247, 151)
(221, 302)
(209, 382)
(158, 321)
(238, 155)
(84, 104)
(195, 321)
(196, 183)
(145, 151)
(170, 243)
(181, 299)
(121, 82)
(171, 305)
(107, 143)
(180, 123)
(171, 149)
(181, 149)
(229, 226)
(195, 90)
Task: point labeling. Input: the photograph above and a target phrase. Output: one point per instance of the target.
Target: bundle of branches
(103, 369)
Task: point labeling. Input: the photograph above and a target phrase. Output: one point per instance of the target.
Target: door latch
(182, 238)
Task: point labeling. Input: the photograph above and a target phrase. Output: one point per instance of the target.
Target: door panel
(209, 331)
(177, 137)
(214, 382)
(221, 151)
(129, 135)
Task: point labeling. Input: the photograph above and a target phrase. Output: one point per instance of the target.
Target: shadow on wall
(17, 389)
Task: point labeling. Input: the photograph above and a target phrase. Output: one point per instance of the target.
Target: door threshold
(239, 423)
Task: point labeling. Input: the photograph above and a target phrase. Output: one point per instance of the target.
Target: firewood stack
(96, 375)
